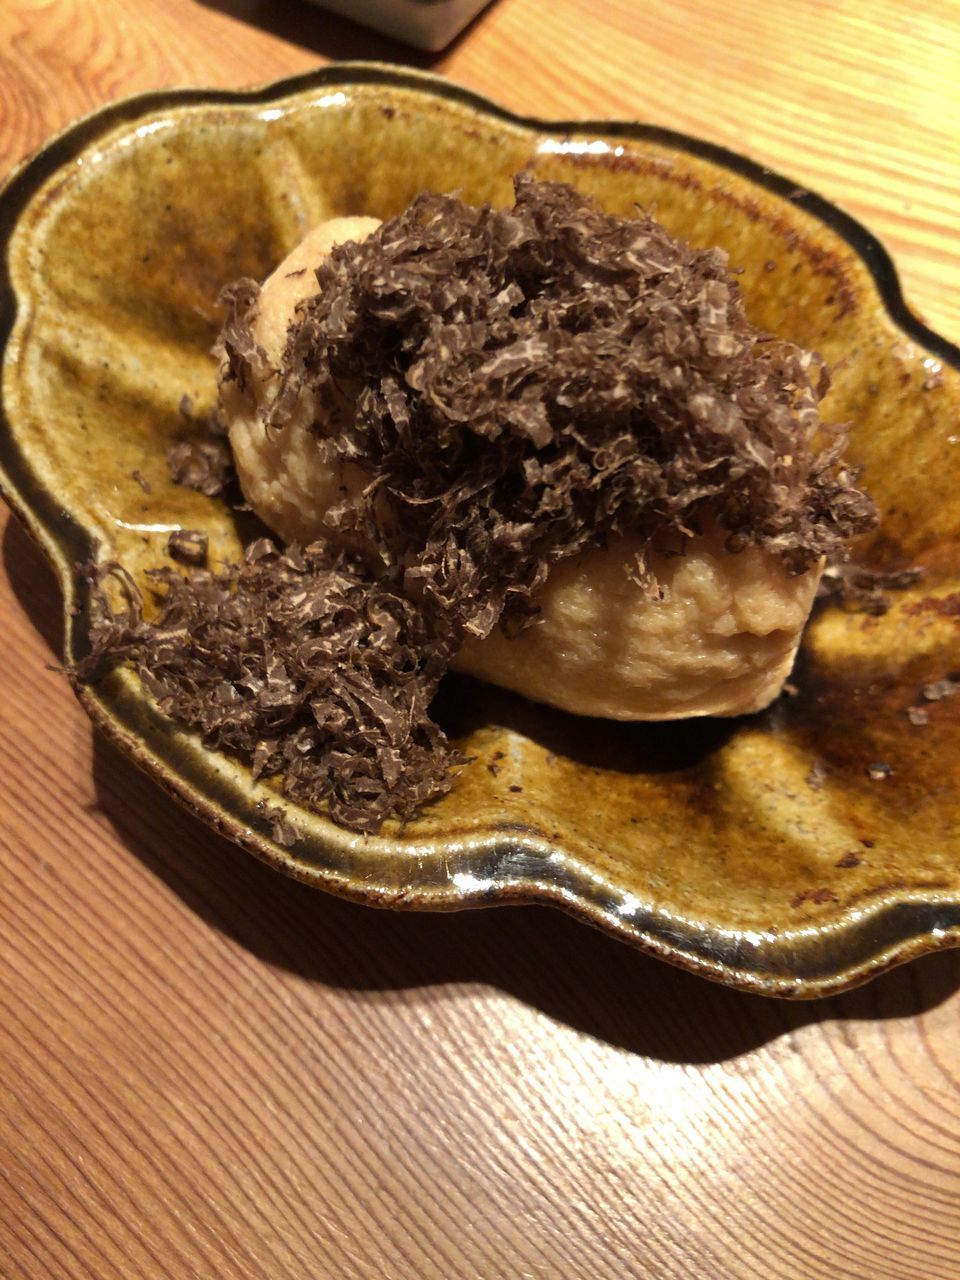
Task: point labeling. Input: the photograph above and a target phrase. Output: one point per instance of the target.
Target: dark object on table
(427, 24)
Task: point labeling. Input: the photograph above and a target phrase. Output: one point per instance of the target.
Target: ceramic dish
(766, 852)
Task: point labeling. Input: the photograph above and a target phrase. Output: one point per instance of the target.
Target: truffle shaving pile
(532, 380)
(521, 384)
(296, 662)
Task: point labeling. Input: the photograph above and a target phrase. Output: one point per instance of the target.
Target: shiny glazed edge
(506, 865)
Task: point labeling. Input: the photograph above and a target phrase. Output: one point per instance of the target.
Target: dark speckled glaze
(710, 844)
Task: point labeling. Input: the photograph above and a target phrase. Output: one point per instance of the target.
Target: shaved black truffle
(528, 382)
(519, 385)
(296, 661)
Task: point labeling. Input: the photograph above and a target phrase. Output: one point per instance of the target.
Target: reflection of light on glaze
(468, 883)
(679, 925)
(752, 937)
(577, 147)
(933, 365)
(142, 131)
(272, 113)
(147, 528)
(331, 100)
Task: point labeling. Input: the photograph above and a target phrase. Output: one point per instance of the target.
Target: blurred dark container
(428, 24)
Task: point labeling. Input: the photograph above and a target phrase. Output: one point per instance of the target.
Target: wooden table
(209, 1071)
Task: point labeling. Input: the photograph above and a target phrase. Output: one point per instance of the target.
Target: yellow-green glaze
(704, 843)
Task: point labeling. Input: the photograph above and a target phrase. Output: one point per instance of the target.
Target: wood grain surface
(208, 1071)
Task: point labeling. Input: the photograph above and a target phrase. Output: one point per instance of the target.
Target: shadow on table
(570, 972)
(327, 34)
(34, 585)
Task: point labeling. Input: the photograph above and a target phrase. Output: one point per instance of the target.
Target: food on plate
(542, 445)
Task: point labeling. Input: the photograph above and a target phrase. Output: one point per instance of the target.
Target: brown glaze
(724, 847)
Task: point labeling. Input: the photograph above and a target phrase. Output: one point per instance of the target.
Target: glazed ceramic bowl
(771, 853)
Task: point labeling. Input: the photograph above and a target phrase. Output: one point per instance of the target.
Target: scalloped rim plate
(511, 860)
